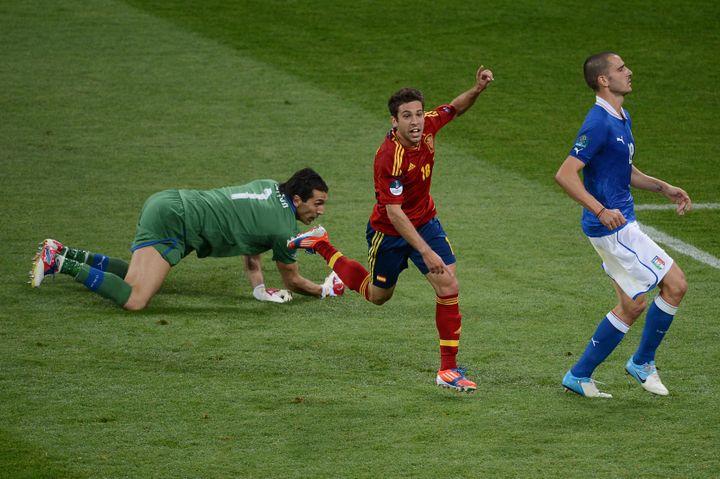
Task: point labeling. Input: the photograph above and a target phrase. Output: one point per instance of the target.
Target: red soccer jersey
(403, 175)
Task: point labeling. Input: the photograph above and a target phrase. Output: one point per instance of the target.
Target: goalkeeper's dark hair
(302, 183)
(404, 95)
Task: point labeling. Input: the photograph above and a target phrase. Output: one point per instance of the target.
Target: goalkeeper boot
(583, 386)
(47, 262)
(51, 243)
(308, 240)
(455, 379)
(647, 376)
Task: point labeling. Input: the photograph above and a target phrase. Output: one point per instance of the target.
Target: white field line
(681, 246)
(671, 206)
(676, 244)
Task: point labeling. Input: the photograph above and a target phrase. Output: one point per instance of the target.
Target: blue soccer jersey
(605, 144)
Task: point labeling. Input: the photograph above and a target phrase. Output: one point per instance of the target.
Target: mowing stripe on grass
(671, 206)
(681, 246)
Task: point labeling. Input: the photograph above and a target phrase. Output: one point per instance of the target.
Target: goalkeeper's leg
(146, 273)
(94, 260)
(98, 261)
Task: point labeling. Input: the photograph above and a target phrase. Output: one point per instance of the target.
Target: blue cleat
(647, 376)
(583, 386)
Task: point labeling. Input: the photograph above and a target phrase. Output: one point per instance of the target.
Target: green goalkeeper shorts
(162, 226)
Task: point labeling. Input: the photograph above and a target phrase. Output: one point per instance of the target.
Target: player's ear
(296, 200)
(393, 121)
(603, 80)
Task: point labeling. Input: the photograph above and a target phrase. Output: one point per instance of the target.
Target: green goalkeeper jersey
(240, 220)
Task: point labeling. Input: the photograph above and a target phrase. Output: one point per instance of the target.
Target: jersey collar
(292, 205)
(396, 139)
(602, 103)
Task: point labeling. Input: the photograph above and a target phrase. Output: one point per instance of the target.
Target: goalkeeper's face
(309, 210)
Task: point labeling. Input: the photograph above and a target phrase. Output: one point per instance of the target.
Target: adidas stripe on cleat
(308, 240)
(455, 379)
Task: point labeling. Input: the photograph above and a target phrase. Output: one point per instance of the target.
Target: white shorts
(633, 260)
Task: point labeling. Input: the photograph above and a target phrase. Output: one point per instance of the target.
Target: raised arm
(465, 100)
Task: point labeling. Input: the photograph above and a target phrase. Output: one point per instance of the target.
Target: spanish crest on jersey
(430, 142)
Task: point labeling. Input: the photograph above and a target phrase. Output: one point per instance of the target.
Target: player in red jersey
(403, 224)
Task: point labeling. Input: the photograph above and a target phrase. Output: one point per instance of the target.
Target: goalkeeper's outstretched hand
(272, 295)
(332, 286)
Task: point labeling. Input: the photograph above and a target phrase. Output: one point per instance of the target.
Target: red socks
(447, 310)
(448, 322)
(352, 273)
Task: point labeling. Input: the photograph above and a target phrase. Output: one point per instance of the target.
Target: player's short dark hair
(302, 183)
(404, 95)
(596, 65)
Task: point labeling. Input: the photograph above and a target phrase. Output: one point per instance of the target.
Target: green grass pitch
(105, 102)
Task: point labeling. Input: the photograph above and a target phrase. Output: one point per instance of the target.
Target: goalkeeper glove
(332, 286)
(273, 295)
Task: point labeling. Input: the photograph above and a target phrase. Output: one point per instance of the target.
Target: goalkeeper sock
(97, 261)
(448, 322)
(107, 285)
(608, 335)
(352, 273)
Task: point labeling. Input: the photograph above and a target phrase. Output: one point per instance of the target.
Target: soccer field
(106, 102)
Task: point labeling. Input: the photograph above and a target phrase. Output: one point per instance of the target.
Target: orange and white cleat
(455, 379)
(308, 240)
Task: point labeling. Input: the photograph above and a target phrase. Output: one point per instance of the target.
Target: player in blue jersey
(604, 151)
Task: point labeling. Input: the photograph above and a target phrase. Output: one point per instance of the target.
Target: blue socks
(607, 336)
(611, 331)
(657, 322)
